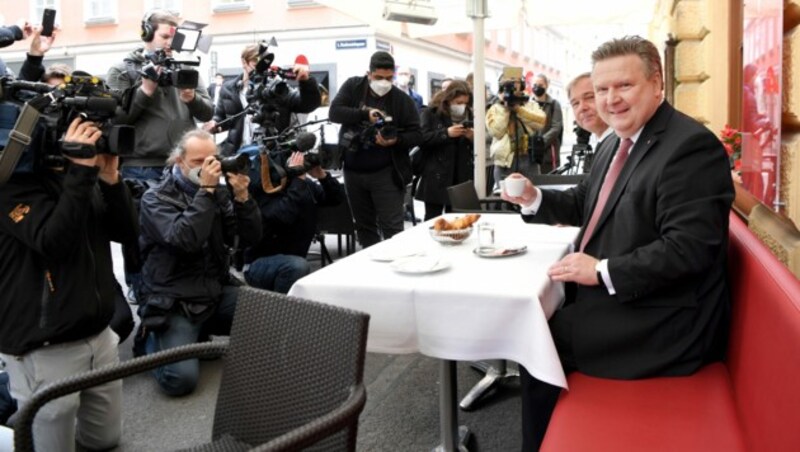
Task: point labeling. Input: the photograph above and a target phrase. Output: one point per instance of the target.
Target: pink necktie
(608, 185)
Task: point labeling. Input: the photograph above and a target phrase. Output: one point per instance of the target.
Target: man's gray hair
(576, 80)
(180, 149)
(631, 45)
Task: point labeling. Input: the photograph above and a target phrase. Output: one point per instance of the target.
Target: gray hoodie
(160, 120)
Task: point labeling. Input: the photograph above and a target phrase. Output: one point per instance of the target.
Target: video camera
(512, 85)
(582, 150)
(80, 95)
(173, 72)
(273, 154)
(384, 125)
(296, 141)
(357, 138)
(269, 89)
(512, 94)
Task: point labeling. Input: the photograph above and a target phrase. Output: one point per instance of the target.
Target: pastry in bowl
(453, 231)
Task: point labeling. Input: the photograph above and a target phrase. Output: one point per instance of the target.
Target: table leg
(448, 413)
(498, 374)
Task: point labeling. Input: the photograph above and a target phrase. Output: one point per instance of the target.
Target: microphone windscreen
(301, 59)
(305, 141)
(105, 104)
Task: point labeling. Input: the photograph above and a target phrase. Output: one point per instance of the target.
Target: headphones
(147, 32)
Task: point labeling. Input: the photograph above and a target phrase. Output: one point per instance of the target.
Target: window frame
(222, 6)
(151, 5)
(111, 18)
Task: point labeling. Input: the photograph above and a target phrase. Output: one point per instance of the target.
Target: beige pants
(96, 410)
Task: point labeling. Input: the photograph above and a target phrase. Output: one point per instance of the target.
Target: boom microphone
(97, 104)
(304, 141)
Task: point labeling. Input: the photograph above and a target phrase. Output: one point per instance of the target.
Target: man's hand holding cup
(518, 190)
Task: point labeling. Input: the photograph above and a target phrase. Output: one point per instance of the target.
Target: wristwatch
(600, 280)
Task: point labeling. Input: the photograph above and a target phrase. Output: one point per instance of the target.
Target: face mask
(458, 110)
(539, 90)
(402, 80)
(194, 175)
(380, 87)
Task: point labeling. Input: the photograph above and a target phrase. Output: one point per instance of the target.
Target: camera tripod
(578, 162)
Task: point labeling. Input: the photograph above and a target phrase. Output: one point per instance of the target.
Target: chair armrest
(496, 204)
(321, 427)
(23, 425)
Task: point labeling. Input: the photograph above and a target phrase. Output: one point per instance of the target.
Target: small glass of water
(485, 235)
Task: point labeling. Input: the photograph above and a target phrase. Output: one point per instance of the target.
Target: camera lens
(236, 164)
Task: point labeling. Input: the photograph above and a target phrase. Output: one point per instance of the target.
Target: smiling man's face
(626, 97)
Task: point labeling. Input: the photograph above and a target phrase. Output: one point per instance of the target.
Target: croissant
(441, 224)
(464, 222)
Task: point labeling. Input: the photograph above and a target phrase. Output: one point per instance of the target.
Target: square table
(476, 308)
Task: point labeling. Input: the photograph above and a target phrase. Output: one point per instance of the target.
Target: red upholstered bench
(749, 403)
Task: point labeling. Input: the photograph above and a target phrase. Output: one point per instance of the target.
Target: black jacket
(664, 231)
(305, 99)
(446, 161)
(161, 119)
(289, 217)
(56, 276)
(347, 109)
(186, 241)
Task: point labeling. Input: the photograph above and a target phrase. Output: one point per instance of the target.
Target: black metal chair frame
(331, 220)
(464, 199)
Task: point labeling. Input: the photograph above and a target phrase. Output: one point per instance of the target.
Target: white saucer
(393, 253)
(499, 251)
(420, 264)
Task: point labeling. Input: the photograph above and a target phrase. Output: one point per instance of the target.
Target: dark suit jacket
(212, 88)
(664, 232)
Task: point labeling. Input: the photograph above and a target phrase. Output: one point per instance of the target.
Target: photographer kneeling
(189, 225)
(289, 217)
(58, 288)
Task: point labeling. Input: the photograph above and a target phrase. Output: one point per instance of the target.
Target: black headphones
(147, 32)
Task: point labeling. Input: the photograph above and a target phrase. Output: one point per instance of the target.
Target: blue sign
(351, 44)
(383, 45)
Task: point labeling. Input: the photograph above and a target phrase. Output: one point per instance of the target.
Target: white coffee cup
(514, 186)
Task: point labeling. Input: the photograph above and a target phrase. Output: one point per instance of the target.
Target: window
(301, 3)
(99, 11)
(37, 8)
(169, 5)
(221, 6)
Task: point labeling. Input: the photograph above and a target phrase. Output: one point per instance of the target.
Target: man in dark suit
(646, 288)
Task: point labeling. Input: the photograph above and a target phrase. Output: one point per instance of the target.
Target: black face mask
(538, 90)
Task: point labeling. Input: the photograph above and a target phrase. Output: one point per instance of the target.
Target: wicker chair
(292, 377)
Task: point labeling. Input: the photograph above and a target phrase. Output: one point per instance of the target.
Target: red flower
(732, 142)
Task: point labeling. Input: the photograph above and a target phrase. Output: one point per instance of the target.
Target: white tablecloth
(478, 308)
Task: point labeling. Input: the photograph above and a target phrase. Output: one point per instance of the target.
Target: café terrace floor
(401, 413)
